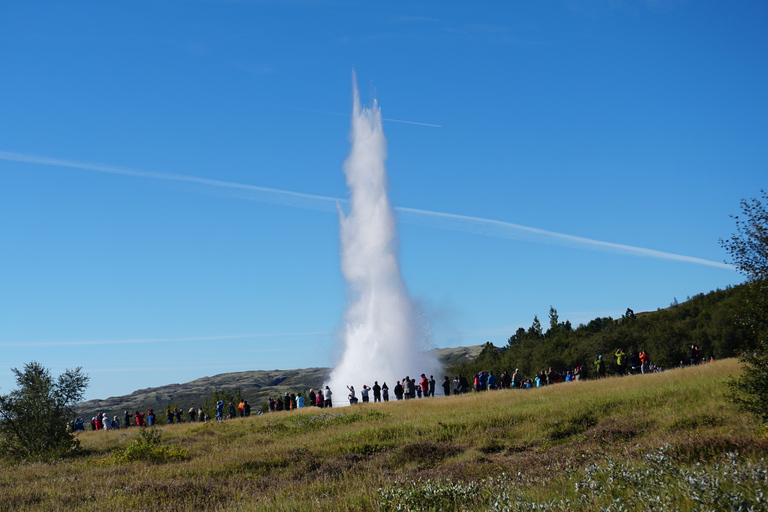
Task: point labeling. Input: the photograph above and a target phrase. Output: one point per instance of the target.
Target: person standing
(645, 361)
(385, 392)
(517, 379)
(364, 393)
(463, 384)
(424, 385)
(600, 367)
(398, 391)
(220, 410)
(351, 396)
(447, 386)
(328, 394)
(432, 386)
(376, 392)
(621, 361)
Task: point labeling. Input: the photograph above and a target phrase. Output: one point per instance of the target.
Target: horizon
(170, 183)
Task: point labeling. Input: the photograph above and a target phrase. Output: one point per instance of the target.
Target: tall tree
(748, 248)
(34, 419)
(535, 330)
(553, 321)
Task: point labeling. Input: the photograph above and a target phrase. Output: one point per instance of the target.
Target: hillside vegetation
(667, 441)
(709, 321)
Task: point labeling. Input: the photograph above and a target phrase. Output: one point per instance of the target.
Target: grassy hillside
(667, 438)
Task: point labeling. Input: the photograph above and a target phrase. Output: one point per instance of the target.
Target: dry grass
(337, 459)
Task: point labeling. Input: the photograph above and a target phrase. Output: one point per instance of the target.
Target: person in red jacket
(424, 385)
(139, 419)
(645, 361)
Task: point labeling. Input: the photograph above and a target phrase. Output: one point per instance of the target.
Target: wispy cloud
(131, 341)
(476, 225)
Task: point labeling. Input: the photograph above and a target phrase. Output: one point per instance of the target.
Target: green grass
(613, 444)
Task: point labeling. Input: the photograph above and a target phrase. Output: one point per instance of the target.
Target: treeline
(708, 321)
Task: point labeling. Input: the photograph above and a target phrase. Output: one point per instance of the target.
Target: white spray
(382, 337)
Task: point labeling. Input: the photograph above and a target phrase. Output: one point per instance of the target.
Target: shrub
(147, 448)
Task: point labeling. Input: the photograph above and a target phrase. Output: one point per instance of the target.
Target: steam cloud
(382, 337)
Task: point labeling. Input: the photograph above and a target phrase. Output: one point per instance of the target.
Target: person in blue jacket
(220, 410)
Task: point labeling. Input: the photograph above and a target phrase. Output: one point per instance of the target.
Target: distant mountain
(254, 386)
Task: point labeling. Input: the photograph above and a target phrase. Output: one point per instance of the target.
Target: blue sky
(169, 171)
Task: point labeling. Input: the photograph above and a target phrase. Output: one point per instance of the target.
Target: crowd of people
(320, 398)
(176, 415)
(405, 389)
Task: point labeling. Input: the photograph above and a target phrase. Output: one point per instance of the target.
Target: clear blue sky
(137, 138)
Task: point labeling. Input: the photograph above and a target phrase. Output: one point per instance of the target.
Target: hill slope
(669, 439)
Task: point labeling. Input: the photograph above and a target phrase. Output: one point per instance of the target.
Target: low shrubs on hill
(657, 482)
(147, 448)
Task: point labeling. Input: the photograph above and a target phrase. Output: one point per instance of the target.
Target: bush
(147, 448)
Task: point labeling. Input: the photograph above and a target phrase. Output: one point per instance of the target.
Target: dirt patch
(423, 453)
(612, 431)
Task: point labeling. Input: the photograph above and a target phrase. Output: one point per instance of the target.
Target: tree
(553, 321)
(34, 419)
(535, 330)
(748, 248)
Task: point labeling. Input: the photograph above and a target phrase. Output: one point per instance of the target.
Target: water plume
(382, 335)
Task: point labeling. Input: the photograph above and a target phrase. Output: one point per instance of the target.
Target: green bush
(147, 448)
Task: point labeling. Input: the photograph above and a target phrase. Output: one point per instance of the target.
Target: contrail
(501, 229)
(261, 194)
(347, 115)
(475, 225)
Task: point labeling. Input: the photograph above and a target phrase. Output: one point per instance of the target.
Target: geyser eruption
(382, 337)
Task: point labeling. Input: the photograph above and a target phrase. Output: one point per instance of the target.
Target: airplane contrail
(347, 115)
(475, 225)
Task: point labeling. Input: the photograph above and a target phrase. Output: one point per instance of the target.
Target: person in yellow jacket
(621, 361)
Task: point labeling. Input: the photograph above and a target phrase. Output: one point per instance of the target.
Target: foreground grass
(662, 441)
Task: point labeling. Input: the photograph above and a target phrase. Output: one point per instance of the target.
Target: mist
(383, 335)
